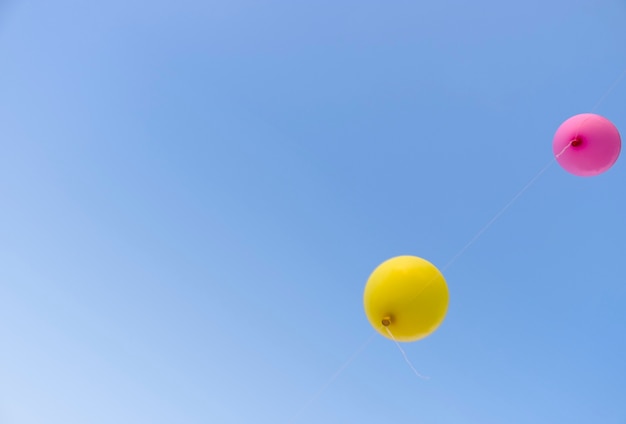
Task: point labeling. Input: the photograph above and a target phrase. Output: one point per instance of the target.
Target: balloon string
(406, 358)
(334, 377)
(504, 209)
(610, 90)
(558, 155)
(496, 216)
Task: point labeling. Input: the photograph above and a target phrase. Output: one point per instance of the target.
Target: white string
(334, 376)
(497, 215)
(406, 358)
(610, 90)
(505, 208)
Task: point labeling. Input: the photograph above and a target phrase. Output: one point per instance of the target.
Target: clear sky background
(193, 194)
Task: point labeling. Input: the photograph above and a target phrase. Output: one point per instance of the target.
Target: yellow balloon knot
(386, 321)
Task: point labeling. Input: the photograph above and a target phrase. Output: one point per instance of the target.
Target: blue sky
(194, 195)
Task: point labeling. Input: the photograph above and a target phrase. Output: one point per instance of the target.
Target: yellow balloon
(406, 295)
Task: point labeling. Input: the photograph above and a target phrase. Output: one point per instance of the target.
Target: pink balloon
(587, 144)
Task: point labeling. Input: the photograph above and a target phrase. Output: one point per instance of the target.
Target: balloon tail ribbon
(571, 143)
(406, 358)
